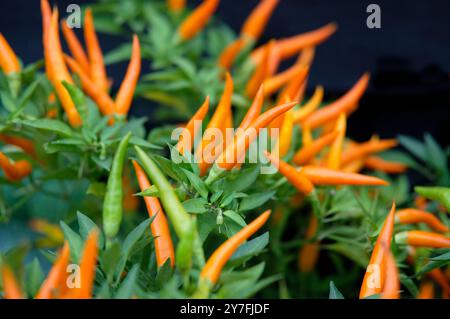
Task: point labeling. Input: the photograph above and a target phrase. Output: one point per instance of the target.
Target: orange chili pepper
(46, 13)
(334, 156)
(254, 110)
(223, 110)
(413, 216)
(310, 106)
(230, 53)
(272, 84)
(426, 291)
(287, 128)
(306, 57)
(75, 46)
(11, 288)
(14, 171)
(441, 279)
(26, 145)
(58, 70)
(257, 20)
(305, 154)
(391, 286)
(390, 167)
(235, 152)
(8, 59)
(52, 113)
(293, 90)
(299, 180)
(160, 229)
(364, 149)
(344, 104)
(261, 71)
(213, 267)
(197, 20)
(96, 64)
(293, 45)
(126, 91)
(307, 138)
(176, 5)
(190, 132)
(419, 238)
(55, 282)
(325, 176)
(104, 102)
(309, 253)
(420, 202)
(376, 264)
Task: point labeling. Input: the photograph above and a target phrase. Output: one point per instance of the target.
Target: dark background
(409, 57)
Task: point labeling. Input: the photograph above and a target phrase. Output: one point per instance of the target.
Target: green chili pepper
(184, 252)
(178, 216)
(112, 204)
(441, 194)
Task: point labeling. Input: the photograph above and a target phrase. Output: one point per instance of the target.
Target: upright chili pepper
(413, 216)
(426, 290)
(25, 144)
(104, 102)
(419, 238)
(126, 91)
(112, 204)
(197, 20)
(87, 269)
(310, 106)
(189, 131)
(390, 167)
(391, 288)
(325, 176)
(287, 128)
(213, 267)
(291, 46)
(296, 178)
(364, 149)
(441, 194)
(305, 154)
(230, 53)
(376, 267)
(306, 57)
(309, 253)
(343, 105)
(334, 156)
(54, 284)
(58, 70)
(254, 110)
(256, 22)
(176, 5)
(307, 138)
(261, 71)
(8, 59)
(96, 63)
(75, 47)
(160, 229)
(11, 288)
(272, 84)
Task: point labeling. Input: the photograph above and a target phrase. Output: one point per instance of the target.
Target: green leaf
(334, 292)
(152, 191)
(197, 183)
(86, 225)
(414, 146)
(54, 126)
(35, 277)
(409, 284)
(255, 200)
(235, 217)
(243, 179)
(249, 249)
(195, 205)
(127, 287)
(97, 189)
(75, 241)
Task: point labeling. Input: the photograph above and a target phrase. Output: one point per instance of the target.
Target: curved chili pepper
(26, 145)
(390, 167)
(160, 229)
(176, 5)
(235, 152)
(58, 70)
(254, 110)
(285, 139)
(441, 194)
(305, 154)
(391, 288)
(257, 20)
(230, 53)
(112, 203)
(213, 267)
(104, 102)
(197, 20)
(75, 46)
(343, 105)
(325, 176)
(419, 238)
(441, 279)
(8, 59)
(307, 138)
(126, 91)
(94, 51)
(11, 288)
(364, 149)
(291, 46)
(309, 253)
(190, 129)
(46, 13)
(294, 89)
(261, 71)
(306, 57)
(420, 202)
(310, 106)
(87, 269)
(14, 171)
(377, 258)
(296, 178)
(334, 155)
(272, 84)
(426, 290)
(413, 216)
(55, 283)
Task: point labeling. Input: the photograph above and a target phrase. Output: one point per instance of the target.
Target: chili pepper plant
(93, 204)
